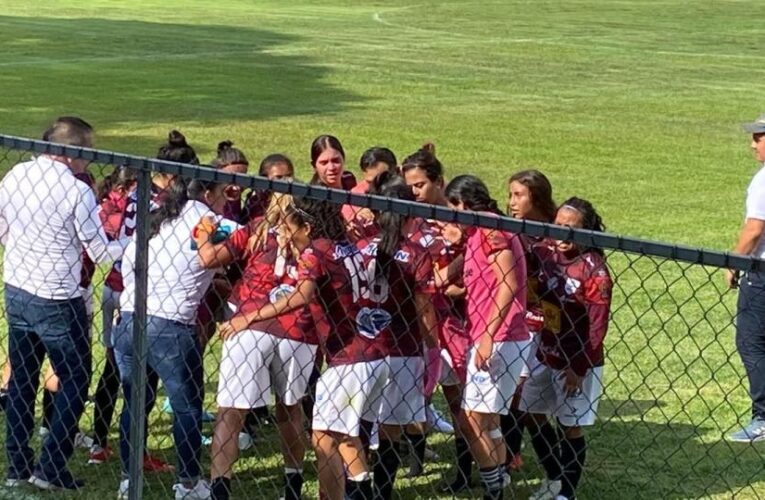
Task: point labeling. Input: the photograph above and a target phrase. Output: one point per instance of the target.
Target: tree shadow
(131, 74)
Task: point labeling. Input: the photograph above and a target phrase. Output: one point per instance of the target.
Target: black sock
(491, 479)
(358, 490)
(47, 409)
(464, 463)
(545, 442)
(573, 454)
(385, 468)
(250, 423)
(512, 430)
(293, 484)
(418, 442)
(221, 488)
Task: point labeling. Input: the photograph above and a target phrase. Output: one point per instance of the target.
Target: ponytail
(391, 224)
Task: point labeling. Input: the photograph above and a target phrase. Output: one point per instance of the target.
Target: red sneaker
(515, 463)
(100, 455)
(156, 464)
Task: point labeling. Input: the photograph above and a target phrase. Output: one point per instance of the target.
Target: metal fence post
(140, 348)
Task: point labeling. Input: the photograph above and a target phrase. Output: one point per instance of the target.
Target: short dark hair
(71, 131)
(375, 155)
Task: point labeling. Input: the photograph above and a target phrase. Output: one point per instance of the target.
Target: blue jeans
(750, 336)
(175, 356)
(37, 327)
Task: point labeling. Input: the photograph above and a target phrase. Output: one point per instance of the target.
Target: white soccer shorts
(491, 392)
(403, 397)
(254, 362)
(348, 394)
(543, 394)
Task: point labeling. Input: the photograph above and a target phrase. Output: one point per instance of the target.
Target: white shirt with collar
(755, 207)
(47, 216)
(176, 280)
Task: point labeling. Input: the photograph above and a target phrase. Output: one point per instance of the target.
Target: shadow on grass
(141, 73)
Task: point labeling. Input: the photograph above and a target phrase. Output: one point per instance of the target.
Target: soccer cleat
(200, 491)
(755, 431)
(156, 464)
(123, 490)
(83, 441)
(245, 441)
(14, 482)
(548, 490)
(437, 422)
(99, 455)
(64, 481)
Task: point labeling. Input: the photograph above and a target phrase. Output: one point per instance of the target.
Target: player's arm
(449, 274)
(300, 297)
(90, 231)
(750, 235)
(502, 264)
(217, 255)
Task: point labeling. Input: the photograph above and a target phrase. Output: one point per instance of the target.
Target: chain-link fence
(326, 339)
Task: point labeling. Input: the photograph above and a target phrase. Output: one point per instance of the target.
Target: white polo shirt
(755, 206)
(176, 280)
(47, 216)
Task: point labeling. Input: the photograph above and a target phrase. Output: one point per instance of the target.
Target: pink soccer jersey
(481, 284)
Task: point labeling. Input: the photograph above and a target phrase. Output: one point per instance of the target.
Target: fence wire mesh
(327, 366)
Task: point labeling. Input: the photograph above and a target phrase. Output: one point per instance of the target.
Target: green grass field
(634, 104)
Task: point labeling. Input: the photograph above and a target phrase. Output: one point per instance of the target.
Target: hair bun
(224, 145)
(176, 139)
(429, 147)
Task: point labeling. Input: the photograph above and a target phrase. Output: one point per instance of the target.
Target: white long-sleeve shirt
(47, 216)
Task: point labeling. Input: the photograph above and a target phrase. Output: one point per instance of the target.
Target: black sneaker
(64, 481)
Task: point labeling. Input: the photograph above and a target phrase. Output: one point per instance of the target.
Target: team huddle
(346, 320)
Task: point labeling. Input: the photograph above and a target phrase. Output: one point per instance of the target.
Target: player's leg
(291, 370)
(574, 412)
(243, 383)
(329, 464)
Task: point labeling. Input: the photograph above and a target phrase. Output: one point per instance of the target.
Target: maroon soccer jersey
(408, 274)
(533, 248)
(348, 332)
(267, 276)
(576, 297)
(453, 334)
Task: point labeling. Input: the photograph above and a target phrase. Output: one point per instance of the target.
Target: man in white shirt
(47, 217)
(750, 315)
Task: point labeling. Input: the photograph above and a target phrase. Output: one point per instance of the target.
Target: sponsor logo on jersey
(343, 251)
(280, 292)
(371, 322)
(572, 285)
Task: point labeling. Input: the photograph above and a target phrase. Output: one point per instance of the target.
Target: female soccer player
(401, 289)
(568, 381)
(176, 284)
(424, 173)
(373, 162)
(274, 166)
(530, 198)
(495, 281)
(114, 193)
(332, 279)
(278, 353)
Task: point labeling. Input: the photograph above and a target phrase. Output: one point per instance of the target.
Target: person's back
(47, 216)
(45, 219)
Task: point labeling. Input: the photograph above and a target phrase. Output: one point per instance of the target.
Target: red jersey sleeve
(309, 266)
(423, 274)
(237, 242)
(598, 287)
